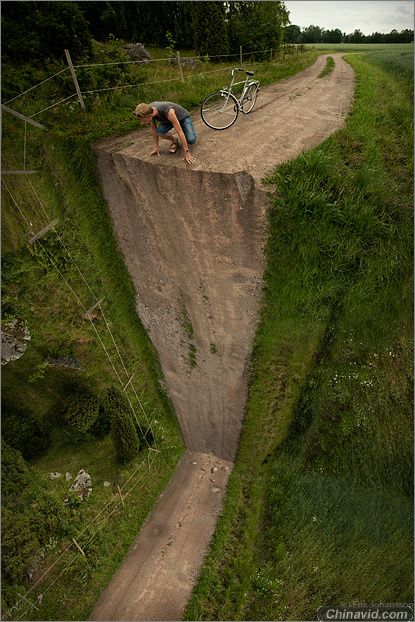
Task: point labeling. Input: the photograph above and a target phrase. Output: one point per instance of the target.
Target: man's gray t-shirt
(164, 107)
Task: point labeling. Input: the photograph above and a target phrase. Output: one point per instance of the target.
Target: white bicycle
(220, 110)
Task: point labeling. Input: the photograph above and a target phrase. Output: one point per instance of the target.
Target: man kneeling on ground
(168, 115)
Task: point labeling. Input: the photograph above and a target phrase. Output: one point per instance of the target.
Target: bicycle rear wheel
(249, 99)
(219, 110)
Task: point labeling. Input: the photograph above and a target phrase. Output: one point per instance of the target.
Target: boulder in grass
(137, 51)
(15, 337)
(82, 485)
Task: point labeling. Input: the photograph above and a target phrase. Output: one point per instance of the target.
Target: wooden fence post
(22, 117)
(78, 547)
(180, 67)
(44, 231)
(75, 79)
(119, 492)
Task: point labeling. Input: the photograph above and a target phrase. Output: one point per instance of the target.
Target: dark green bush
(102, 425)
(15, 472)
(123, 429)
(80, 410)
(21, 431)
(19, 543)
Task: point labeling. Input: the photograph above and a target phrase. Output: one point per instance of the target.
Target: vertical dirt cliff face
(193, 243)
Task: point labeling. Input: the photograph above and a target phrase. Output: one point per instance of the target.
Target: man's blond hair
(142, 110)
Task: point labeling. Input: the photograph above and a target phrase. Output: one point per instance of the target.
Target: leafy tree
(147, 22)
(37, 31)
(256, 25)
(123, 430)
(358, 36)
(312, 34)
(292, 34)
(209, 28)
(332, 36)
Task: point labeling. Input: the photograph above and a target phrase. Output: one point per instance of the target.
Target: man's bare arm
(155, 136)
(186, 153)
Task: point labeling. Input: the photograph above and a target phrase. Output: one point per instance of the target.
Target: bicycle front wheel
(219, 110)
(249, 99)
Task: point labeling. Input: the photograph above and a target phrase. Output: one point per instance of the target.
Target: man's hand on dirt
(189, 158)
(155, 152)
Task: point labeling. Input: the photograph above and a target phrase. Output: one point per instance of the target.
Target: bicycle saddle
(249, 73)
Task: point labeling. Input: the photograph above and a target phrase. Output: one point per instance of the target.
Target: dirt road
(193, 239)
(153, 582)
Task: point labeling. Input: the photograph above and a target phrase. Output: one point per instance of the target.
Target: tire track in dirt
(193, 239)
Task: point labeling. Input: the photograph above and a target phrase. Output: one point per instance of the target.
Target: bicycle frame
(228, 90)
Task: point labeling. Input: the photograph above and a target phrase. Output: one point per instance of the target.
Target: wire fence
(180, 61)
(118, 499)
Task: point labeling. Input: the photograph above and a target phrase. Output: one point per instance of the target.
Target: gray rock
(64, 361)
(106, 484)
(14, 340)
(215, 489)
(137, 51)
(68, 476)
(55, 475)
(82, 485)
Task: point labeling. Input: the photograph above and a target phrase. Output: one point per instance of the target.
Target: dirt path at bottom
(157, 576)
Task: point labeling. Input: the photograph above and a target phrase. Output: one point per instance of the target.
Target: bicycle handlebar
(235, 69)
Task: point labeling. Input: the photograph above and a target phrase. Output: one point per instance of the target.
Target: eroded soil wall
(193, 242)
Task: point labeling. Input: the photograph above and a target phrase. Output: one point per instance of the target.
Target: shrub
(15, 472)
(102, 425)
(123, 430)
(80, 410)
(21, 431)
(19, 543)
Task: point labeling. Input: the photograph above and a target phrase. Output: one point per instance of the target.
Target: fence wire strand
(36, 85)
(52, 106)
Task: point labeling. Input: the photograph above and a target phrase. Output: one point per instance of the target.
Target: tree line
(34, 31)
(315, 34)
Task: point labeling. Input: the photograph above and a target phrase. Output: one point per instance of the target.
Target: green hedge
(80, 411)
(123, 428)
(21, 431)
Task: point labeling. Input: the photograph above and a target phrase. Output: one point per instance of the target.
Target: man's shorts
(186, 125)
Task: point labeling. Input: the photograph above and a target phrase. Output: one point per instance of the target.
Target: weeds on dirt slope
(35, 291)
(319, 509)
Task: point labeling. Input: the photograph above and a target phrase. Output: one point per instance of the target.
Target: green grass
(319, 507)
(361, 47)
(33, 289)
(328, 68)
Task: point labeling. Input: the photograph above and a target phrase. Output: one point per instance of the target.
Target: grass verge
(328, 68)
(319, 507)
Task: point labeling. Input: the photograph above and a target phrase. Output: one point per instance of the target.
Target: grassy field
(319, 506)
(362, 47)
(43, 285)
